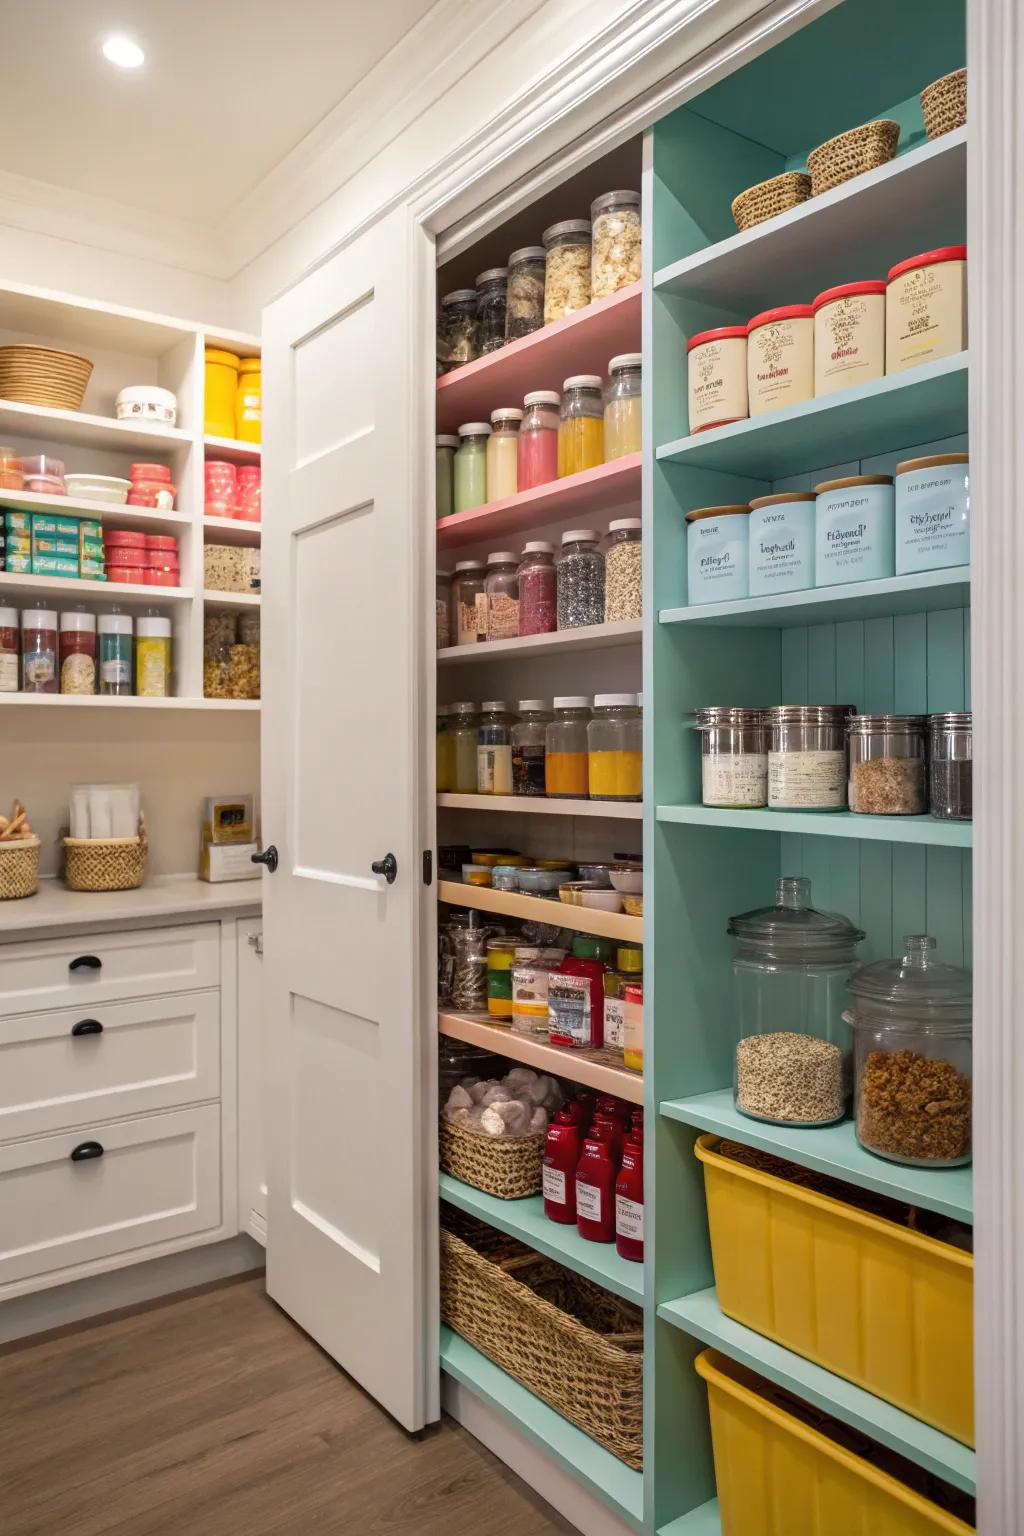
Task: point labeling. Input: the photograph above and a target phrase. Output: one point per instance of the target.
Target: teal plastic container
(782, 543)
(717, 559)
(933, 513)
(854, 538)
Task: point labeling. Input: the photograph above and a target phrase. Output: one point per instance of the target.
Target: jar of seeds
(524, 309)
(951, 766)
(491, 287)
(581, 578)
(623, 579)
(887, 775)
(567, 268)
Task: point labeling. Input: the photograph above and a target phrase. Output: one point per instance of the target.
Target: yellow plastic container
(249, 401)
(880, 1305)
(221, 392)
(779, 1476)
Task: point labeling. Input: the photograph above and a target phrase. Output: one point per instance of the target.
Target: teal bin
(933, 513)
(717, 561)
(781, 542)
(854, 522)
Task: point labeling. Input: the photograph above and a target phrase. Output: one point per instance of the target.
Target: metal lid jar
(457, 341)
(951, 777)
(469, 603)
(491, 289)
(567, 268)
(733, 757)
(807, 756)
(615, 219)
(887, 765)
(524, 311)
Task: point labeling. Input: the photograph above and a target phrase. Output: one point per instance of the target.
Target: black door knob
(87, 1027)
(86, 963)
(86, 1152)
(387, 866)
(267, 857)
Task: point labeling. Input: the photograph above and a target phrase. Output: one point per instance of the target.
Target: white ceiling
(227, 89)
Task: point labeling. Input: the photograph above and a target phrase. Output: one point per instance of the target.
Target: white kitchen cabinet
(252, 1082)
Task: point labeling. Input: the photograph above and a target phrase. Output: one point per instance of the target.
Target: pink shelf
(581, 344)
(595, 490)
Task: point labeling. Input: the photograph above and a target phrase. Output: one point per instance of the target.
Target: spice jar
(581, 425)
(615, 259)
(463, 724)
(443, 605)
(614, 747)
(733, 757)
(849, 336)
(581, 575)
(538, 439)
(444, 474)
(716, 368)
(153, 658)
(538, 586)
(565, 762)
(78, 653)
(911, 1021)
(471, 466)
(115, 647)
(926, 308)
(623, 407)
(807, 756)
(469, 602)
(567, 268)
(491, 290)
(221, 482)
(501, 586)
(12, 474)
(780, 358)
(39, 650)
(445, 753)
(457, 330)
(502, 453)
(10, 650)
(494, 749)
(790, 973)
(623, 572)
(887, 776)
(950, 766)
(524, 310)
(151, 486)
(529, 737)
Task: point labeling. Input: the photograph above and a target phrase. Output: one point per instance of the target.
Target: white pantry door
(340, 738)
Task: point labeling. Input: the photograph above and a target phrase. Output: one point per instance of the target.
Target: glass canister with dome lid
(911, 1022)
(791, 970)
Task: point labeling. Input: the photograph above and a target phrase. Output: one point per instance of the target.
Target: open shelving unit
(598, 1069)
(540, 909)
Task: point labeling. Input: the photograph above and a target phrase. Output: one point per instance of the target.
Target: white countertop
(54, 907)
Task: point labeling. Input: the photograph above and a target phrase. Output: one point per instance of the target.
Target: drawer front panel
(105, 967)
(78, 1065)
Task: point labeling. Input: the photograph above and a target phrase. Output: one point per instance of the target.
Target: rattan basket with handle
(43, 376)
(944, 104)
(509, 1167)
(852, 153)
(105, 863)
(769, 198)
(569, 1341)
(19, 868)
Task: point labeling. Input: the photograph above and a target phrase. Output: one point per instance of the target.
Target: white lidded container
(716, 367)
(147, 402)
(780, 358)
(849, 336)
(926, 308)
(109, 488)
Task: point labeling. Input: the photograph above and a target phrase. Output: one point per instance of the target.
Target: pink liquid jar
(538, 439)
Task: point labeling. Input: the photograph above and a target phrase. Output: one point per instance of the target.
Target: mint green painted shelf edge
(924, 592)
(525, 1219)
(922, 830)
(589, 1463)
(705, 1521)
(831, 1149)
(700, 1316)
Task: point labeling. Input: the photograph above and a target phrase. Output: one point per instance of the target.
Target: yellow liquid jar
(614, 748)
(581, 425)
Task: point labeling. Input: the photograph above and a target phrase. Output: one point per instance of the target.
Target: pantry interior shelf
(80, 430)
(700, 1316)
(232, 599)
(61, 587)
(533, 805)
(920, 830)
(924, 592)
(131, 701)
(598, 1069)
(585, 494)
(538, 909)
(705, 1520)
(231, 530)
(589, 637)
(525, 1220)
(148, 519)
(231, 449)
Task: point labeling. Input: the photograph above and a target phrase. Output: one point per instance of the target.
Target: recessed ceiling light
(123, 52)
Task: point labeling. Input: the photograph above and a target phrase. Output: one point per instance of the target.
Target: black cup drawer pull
(87, 1027)
(86, 963)
(86, 1152)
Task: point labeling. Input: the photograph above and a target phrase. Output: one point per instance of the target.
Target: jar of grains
(220, 629)
(503, 453)
(444, 473)
(470, 479)
(623, 407)
(443, 604)
(581, 425)
(10, 650)
(501, 585)
(538, 439)
(733, 757)
(469, 603)
(463, 723)
(39, 650)
(567, 268)
(494, 749)
(623, 578)
(581, 573)
(807, 756)
(887, 774)
(491, 288)
(529, 735)
(78, 653)
(537, 589)
(524, 308)
(615, 262)
(565, 763)
(614, 743)
(951, 766)
(457, 333)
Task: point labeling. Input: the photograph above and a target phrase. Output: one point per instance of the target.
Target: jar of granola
(615, 260)
(567, 268)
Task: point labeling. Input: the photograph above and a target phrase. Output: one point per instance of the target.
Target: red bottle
(629, 1203)
(580, 1109)
(610, 1129)
(595, 1191)
(561, 1154)
(617, 1109)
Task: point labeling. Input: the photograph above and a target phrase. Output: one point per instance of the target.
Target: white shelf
(14, 587)
(232, 599)
(529, 805)
(232, 449)
(79, 429)
(592, 637)
(232, 530)
(104, 701)
(145, 518)
(602, 1070)
(543, 909)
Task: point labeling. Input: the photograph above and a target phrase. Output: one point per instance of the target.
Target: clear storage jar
(623, 408)
(538, 589)
(538, 439)
(911, 1023)
(807, 756)
(567, 247)
(524, 309)
(78, 652)
(887, 765)
(790, 974)
(445, 752)
(581, 425)
(115, 648)
(443, 605)
(39, 650)
(469, 968)
(733, 757)
(469, 603)
(623, 571)
(445, 447)
(614, 748)
(153, 643)
(10, 650)
(503, 453)
(616, 233)
(494, 749)
(951, 787)
(463, 724)
(491, 289)
(470, 483)
(581, 577)
(501, 585)
(529, 736)
(565, 764)
(457, 330)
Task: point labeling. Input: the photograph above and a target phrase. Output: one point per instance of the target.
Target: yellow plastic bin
(249, 401)
(877, 1303)
(783, 1469)
(221, 392)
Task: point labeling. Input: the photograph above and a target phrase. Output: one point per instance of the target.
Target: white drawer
(103, 967)
(86, 1064)
(156, 1179)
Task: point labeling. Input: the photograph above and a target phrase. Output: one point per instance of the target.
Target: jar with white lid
(153, 657)
(471, 466)
(538, 589)
(443, 607)
(849, 336)
(502, 589)
(524, 308)
(780, 358)
(529, 736)
(567, 268)
(623, 571)
(581, 573)
(538, 439)
(457, 330)
(469, 602)
(807, 756)
(716, 370)
(503, 453)
(733, 757)
(114, 632)
(623, 407)
(494, 749)
(616, 227)
(491, 288)
(565, 761)
(39, 650)
(77, 652)
(581, 425)
(615, 748)
(933, 513)
(462, 726)
(445, 446)
(926, 308)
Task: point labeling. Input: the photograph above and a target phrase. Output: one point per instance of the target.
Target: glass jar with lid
(39, 651)
(733, 757)
(951, 767)
(887, 775)
(615, 264)
(580, 579)
(491, 288)
(469, 967)
(470, 480)
(623, 408)
(614, 748)
(10, 649)
(565, 762)
(623, 571)
(628, 967)
(790, 973)
(538, 589)
(567, 247)
(911, 1023)
(807, 756)
(494, 749)
(538, 439)
(457, 332)
(469, 603)
(502, 589)
(581, 424)
(445, 447)
(529, 735)
(503, 453)
(443, 606)
(445, 755)
(524, 310)
(462, 726)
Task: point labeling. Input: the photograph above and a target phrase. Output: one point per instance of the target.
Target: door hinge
(428, 866)
(256, 942)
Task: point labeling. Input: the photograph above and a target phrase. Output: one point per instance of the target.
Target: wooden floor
(213, 1415)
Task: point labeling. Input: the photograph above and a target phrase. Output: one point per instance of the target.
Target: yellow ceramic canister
(249, 401)
(221, 392)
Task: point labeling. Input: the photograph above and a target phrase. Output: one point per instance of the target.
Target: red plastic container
(152, 486)
(629, 1203)
(128, 573)
(248, 505)
(162, 541)
(119, 554)
(595, 1191)
(163, 578)
(123, 538)
(561, 1154)
(581, 1109)
(221, 497)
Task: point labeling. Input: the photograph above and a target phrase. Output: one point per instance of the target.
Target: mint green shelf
(924, 592)
(700, 1316)
(590, 1464)
(831, 1149)
(525, 1220)
(918, 405)
(921, 830)
(705, 1521)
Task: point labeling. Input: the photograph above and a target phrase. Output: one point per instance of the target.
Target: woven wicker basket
(19, 868)
(43, 376)
(944, 104)
(509, 1167)
(769, 198)
(105, 864)
(574, 1345)
(852, 153)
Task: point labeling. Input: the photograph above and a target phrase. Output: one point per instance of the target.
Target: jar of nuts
(616, 253)
(567, 268)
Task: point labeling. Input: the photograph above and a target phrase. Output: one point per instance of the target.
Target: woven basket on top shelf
(852, 153)
(19, 868)
(506, 1166)
(105, 863)
(43, 376)
(944, 104)
(770, 198)
(569, 1341)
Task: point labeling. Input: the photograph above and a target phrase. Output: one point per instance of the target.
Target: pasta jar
(623, 407)
(951, 778)
(151, 486)
(807, 756)
(221, 391)
(529, 737)
(733, 757)
(39, 650)
(717, 555)
(491, 290)
(849, 336)
(538, 439)
(623, 574)
(444, 474)
(524, 306)
(471, 466)
(781, 542)
(503, 453)
(614, 748)
(933, 513)
(855, 537)
(565, 762)
(78, 653)
(716, 371)
(926, 308)
(494, 749)
(10, 650)
(581, 573)
(780, 358)
(469, 602)
(581, 425)
(616, 232)
(115, 645)
(887, 767)
(443, 605)
(567, 268)
(249, 401)
(457, 330)
(153, 658)
(538, 583)
(501, 586)
(463, 722)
